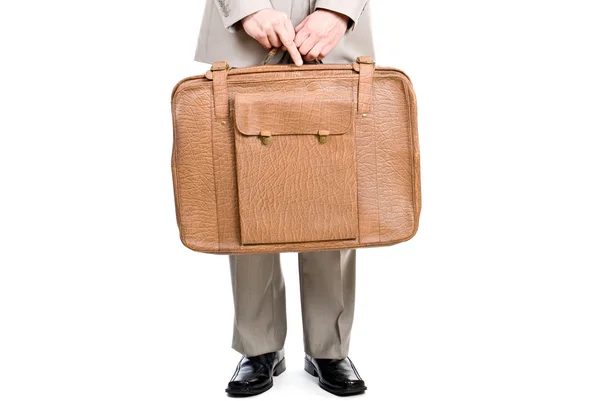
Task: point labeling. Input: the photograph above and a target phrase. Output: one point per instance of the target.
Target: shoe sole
(310, 368)
(279, 369)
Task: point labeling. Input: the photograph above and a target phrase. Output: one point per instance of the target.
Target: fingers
(325, 51)
(315, 52)
(263, 39)
(273, 28)
(273, 37)
(291, 46)
(328, 47)
(262, 24)
(319, 33)
(254, 31)
(286, 34)
(294, 53)
(301, 37)
(307, 45)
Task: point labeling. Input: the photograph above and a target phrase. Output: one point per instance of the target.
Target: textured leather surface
(296, 189)
(359, 188)
(294, 113)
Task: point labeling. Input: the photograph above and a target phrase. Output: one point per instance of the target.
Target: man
(335, 31)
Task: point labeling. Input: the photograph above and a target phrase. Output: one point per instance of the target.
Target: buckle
(365, 60)
(226, 67)
(265, 137)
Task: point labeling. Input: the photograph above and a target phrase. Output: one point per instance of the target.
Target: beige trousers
(327, 287)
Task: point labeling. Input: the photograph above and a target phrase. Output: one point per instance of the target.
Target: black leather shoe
(254, 374)
(338, 376)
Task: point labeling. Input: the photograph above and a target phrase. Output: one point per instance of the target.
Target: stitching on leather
(287, 79)
(212, 133)
(233, 80)
(174, 158)
(369, 121)
(202, 78)
(243, 129)
(291, 67)
(407, 98)
(382, 73)
(377, 185)
(376, 172)
(356, 175)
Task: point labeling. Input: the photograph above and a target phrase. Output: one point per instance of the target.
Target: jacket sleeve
(351, 8)
(232, 11)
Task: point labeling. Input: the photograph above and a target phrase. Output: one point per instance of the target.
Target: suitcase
(286, 158)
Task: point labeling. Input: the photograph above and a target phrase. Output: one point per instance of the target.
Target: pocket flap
(294, 113)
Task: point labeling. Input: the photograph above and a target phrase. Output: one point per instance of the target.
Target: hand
(319, 33)
(272, 28)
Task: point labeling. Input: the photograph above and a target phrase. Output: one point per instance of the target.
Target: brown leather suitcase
(281, 158)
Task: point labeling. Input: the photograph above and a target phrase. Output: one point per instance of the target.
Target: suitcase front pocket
(296, 167)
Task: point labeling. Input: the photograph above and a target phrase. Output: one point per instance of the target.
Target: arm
(351, 8)
(233, 11)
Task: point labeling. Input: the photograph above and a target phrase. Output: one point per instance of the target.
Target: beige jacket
(222, 38)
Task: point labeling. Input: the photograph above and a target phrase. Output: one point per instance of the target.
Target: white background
(496, 298)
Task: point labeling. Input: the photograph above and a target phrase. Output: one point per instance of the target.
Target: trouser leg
(327, 291)
(260, 324)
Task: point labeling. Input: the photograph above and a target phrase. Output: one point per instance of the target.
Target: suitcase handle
(273, 51)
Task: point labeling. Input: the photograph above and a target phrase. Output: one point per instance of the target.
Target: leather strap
(219, 71)
(366, 67)
(271, 54)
